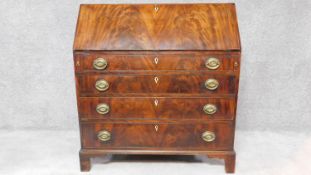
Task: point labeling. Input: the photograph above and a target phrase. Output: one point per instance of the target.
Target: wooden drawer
(157, 108)
(155, 83)
(135, 62)
(158, 135)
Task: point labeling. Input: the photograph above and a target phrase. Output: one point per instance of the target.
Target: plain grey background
(38, 115)
(37, 88)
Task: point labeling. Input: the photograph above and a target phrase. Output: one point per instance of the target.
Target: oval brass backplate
(102, 108)
(211, 84)
(210, 109)
(101, 85)
(212, 63)
(100, 63)
(208, 136)
(103, 135)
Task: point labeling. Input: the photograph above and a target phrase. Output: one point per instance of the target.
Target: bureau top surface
(157, 27)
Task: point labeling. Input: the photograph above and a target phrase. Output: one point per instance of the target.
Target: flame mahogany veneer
(157, 79)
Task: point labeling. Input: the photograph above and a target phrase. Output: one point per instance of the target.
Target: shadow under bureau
(157, 79)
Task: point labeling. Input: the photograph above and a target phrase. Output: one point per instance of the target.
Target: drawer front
(87, 62)
(179, 83)
(219, 136)
(160, 108)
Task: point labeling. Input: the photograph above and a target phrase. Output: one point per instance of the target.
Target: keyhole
(156, 80)
(156, 8)
(156, 60)
(156, 127)
(77, 63)
(156, 102)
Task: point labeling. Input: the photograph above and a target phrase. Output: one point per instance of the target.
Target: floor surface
(56, 152)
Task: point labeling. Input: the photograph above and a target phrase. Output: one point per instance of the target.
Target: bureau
(157, 79)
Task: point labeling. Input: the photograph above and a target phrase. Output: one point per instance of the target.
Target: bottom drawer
(208, 136)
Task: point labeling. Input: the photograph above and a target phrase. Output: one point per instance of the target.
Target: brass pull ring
(103, 135)
(102, 108)
(212, 63)
(208, 136)
(100, 63)
(211, 84)
(102, 85)
(210, 109)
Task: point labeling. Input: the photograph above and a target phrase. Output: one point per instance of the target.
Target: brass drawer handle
(208, 136)
(101, 85)
(212, 63)
(100, 63)
(211, 84)
(103, 135)
(210, 109)
(102, 108)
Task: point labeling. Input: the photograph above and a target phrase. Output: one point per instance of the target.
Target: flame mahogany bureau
(157, 79)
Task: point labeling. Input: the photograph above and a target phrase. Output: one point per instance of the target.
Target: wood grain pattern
(182, 37)
(135, 84)
(85, 163)
(230, 163)
(168, 136)
(145, 62)
(172, 27)
(157, 108)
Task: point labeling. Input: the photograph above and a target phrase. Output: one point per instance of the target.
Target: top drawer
(104, 62)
